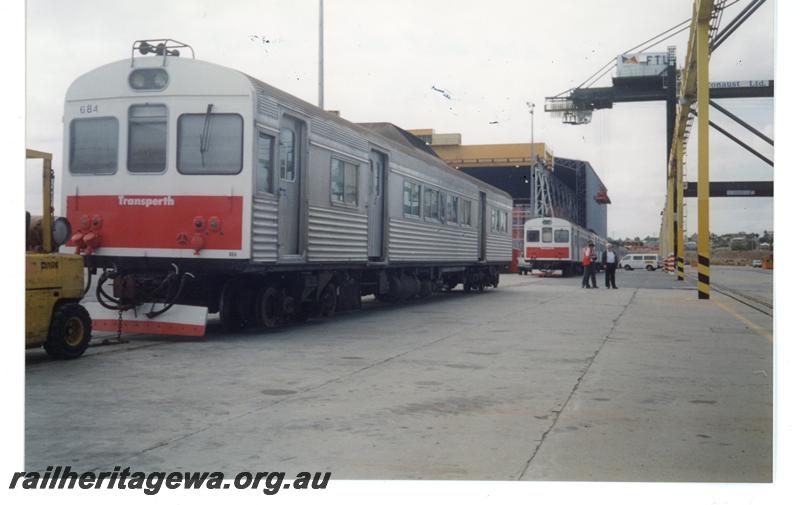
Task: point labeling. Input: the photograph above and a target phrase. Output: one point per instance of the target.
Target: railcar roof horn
(159, 47)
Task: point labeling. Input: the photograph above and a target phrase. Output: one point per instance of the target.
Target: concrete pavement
(535, 380)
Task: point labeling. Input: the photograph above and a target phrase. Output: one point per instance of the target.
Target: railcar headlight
(148, 79)
(137, 81)
(160, 80)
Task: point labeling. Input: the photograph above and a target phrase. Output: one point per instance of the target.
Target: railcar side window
(265, 149)
(93, 145)
(532, 236)
(547, 234)
(210, 144)
(465, 208)
(344, 187)
(287, 146)
(561, 236)
(499, 221)
(431, 205)
(452, 209)
(147, 138)
(411, 195)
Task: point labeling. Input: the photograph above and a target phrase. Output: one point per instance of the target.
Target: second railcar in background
(553, 243)
(191, 183)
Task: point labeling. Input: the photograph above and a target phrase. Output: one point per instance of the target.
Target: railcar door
(574, 252)
(482, 228)
(376, 201)
(289, 187)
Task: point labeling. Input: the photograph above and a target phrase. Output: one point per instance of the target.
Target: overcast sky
(382, 59)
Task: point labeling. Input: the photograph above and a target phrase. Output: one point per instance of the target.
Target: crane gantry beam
(694, 90)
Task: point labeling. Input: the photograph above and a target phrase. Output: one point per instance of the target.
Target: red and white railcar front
(156, 180)
(555, 244)
(550, 244)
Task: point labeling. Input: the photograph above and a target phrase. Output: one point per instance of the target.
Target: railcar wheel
(268, 307)
(289, 305)
(327, 300)
(70, 331)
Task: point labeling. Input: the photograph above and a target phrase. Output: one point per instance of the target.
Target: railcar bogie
(267, 301)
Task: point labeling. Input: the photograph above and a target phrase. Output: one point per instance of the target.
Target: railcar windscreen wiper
(205, 135)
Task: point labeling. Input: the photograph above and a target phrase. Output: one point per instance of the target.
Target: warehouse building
(577, 192)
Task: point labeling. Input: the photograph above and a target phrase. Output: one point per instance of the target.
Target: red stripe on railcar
(547, 252)
(159, 222)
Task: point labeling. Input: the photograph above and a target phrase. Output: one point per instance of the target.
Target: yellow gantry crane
(693, 103)
(694, 90)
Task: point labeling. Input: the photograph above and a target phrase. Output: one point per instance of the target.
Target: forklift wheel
(70, 331)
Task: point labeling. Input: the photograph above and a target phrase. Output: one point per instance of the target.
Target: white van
(634, 261)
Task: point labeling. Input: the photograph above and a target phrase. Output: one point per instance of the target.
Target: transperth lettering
(165, 201)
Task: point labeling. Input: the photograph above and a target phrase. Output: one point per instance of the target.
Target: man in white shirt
(610, 261)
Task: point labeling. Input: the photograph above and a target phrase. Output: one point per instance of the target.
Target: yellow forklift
(54, 317)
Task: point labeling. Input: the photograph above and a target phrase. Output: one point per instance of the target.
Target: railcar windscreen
(219, 151)
(93, 145)
(147, 138)
(562, 236)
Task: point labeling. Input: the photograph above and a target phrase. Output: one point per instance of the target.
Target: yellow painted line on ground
(758, 329)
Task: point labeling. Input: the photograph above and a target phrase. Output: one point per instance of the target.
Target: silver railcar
(191, 183)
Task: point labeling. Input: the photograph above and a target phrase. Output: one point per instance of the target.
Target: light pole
(532, 178)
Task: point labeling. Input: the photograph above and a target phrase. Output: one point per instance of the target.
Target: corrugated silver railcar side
(329, 231)
(420, 234)
(498, 241)
(338, 233)
(330, 210)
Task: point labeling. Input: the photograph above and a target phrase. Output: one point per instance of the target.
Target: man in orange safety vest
(588, 259)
